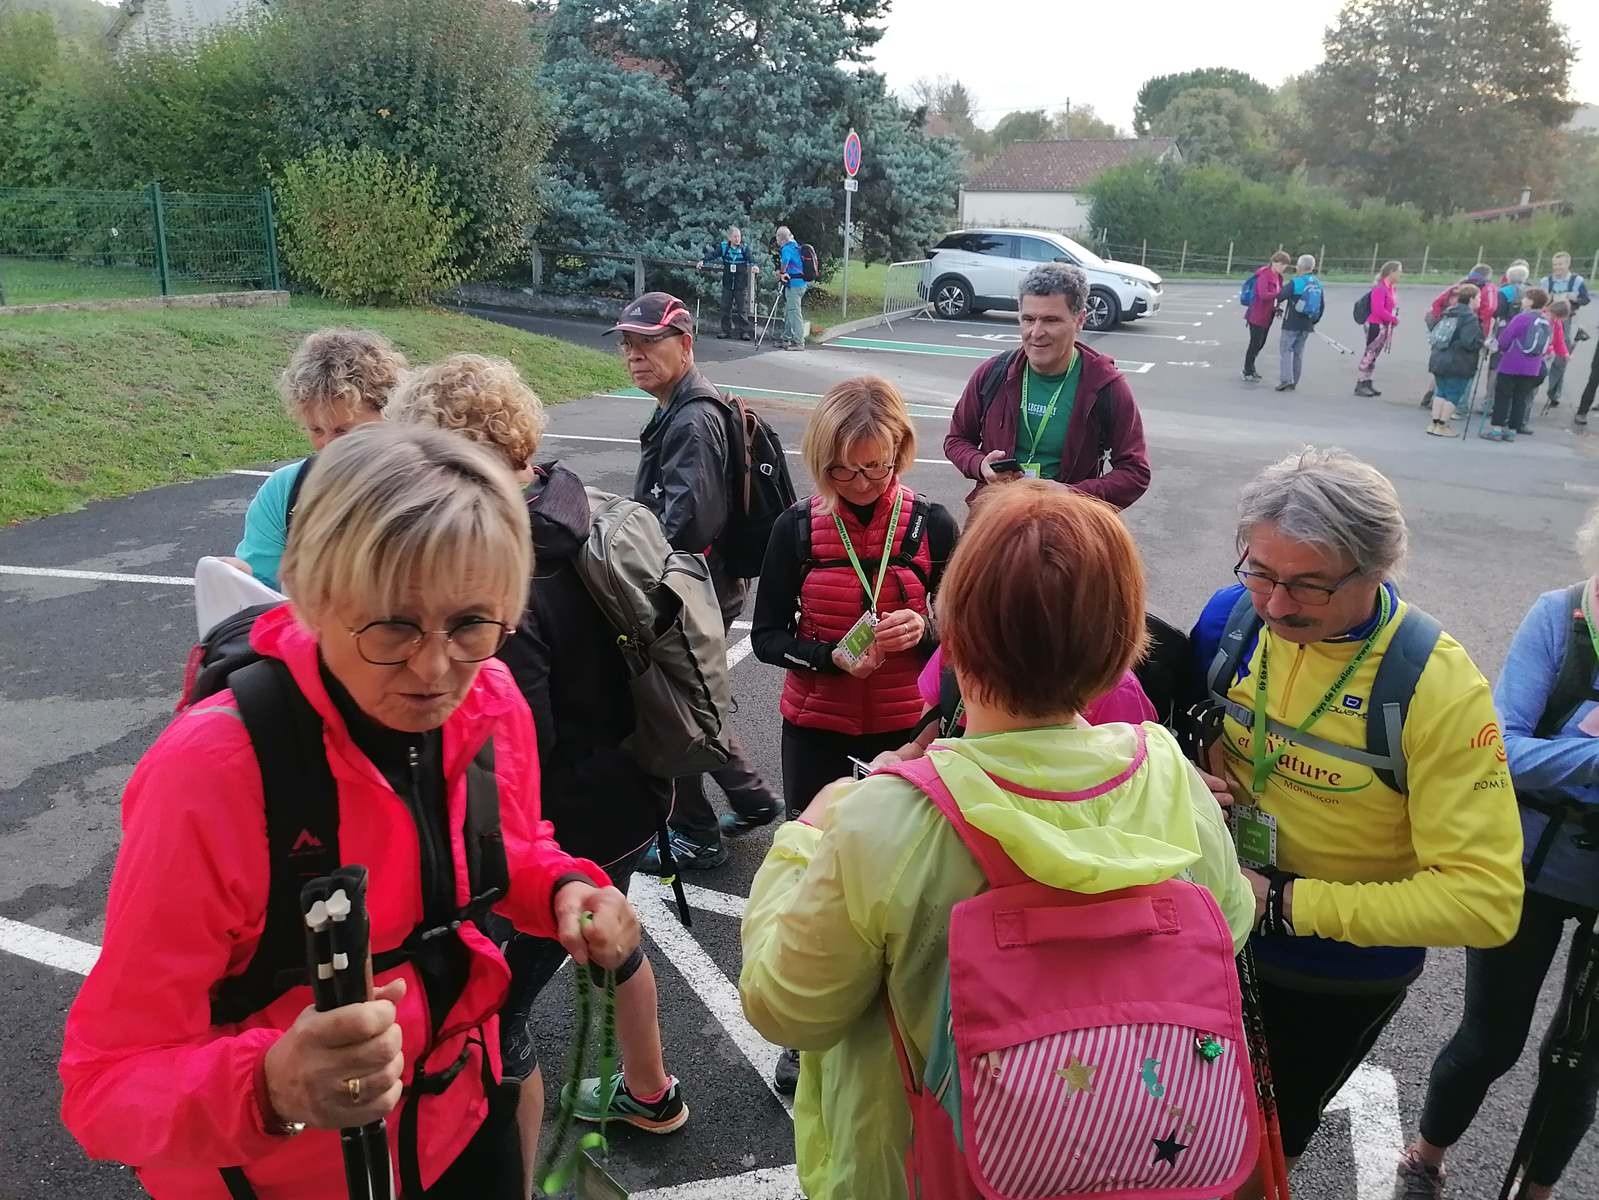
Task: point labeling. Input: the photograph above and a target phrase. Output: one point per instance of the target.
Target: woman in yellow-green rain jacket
(1042, 609)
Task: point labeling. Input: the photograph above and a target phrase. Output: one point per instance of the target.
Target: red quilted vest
(831, 601)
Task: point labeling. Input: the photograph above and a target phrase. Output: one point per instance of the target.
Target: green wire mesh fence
(65, 244)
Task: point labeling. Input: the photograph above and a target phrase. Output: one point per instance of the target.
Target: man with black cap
(683, 475)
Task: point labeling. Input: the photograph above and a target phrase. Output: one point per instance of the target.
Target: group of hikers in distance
(1069, 902)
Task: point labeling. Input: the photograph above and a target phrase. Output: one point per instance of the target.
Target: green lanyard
(1266, 762)
(1027, 377)
(1587, 615)
(882, 566)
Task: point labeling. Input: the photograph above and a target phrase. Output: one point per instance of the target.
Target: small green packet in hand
(859, 639)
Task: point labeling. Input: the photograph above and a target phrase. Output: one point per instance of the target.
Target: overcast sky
(1035, 54)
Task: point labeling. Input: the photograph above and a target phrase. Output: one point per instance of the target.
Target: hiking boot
(1417, 1181)
(1579, 420)
(735, 823)
(1251, 377)
(1507, 435)
(794, 346)
(666, 1114)
(1365, 388)
(1492, 434)
(1441, 429)
(1525, 431)
(1284, 387)
(688, 854)
(786, 1077)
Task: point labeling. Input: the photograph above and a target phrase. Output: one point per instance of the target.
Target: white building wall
(161, 20)
(1065, 211)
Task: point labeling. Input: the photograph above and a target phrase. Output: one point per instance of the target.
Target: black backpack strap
(294, 493)
(1574, 683)
(1105, 410)
(949, 703)
(1398, 673)
(238, 1186)
(994, 372)
(1242, 629)
(487, 872)
(915, 528)
(301, 804)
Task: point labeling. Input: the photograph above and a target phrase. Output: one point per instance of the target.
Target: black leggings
(1502, 987)
(1512, 396)
(813, 758)
(1257, 343)
(1592, 387)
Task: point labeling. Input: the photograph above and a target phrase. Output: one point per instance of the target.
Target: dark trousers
(736, 304)
(692, 814)
(814, 758)
(1592, 387)
(1257, 343)
(1512, 395)
(1316, 1040)
(1502, 987)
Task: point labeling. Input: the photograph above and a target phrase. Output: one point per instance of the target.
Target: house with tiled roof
(1042, 185)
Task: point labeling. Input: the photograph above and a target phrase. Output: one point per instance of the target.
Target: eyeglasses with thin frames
(390, 643)
(1312, 595)
(842, 474)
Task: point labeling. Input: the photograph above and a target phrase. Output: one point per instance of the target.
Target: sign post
(852, 164)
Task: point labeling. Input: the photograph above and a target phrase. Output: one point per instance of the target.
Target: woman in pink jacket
(1380, 325)
(1262, 309)
(407, 567)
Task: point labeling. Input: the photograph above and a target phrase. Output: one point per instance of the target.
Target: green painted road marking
(853, 343)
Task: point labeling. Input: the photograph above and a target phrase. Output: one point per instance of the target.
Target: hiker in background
(1371, 705)
(338, 380)
(1378, 310)
(1457, 340)
(1487, 304)
(566, 664)
(1056, 409)
(791, 277)
(1259, 295)
(864, 544)
(406, 569)
(1042, 610)
(1563, 285)
(736, 266)
(1589, 390)
(1559, 313)
(1545, 695)
(1520, 346)
(1303, 300)
(684, 476)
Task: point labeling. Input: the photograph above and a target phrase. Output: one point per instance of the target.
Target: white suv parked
(974, 270)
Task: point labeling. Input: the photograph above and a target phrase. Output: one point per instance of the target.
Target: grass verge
(102, 404)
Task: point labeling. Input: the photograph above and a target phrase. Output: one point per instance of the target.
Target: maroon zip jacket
(1100, 383)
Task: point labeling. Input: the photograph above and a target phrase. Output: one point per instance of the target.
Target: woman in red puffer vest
(825, 563)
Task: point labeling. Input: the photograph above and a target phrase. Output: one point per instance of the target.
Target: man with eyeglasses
(685, 477)
(1371, 802)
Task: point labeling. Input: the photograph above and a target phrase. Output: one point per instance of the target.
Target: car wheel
(1103, 311)
(952, 297)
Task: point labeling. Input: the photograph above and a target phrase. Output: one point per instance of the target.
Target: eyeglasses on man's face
(1312, 595)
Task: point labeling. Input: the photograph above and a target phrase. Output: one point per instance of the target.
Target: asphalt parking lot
(96, 618)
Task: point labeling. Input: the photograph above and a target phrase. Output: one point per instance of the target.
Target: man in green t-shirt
(1060, 409)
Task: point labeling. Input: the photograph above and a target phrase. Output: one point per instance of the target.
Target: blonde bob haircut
(867, 410)
(341, 371)
(483, 398)
(392, 511)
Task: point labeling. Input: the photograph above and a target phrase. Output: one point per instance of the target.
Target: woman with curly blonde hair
(338, 380)
(565, 660)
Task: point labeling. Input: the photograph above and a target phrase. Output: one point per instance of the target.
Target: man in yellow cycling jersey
(1361, 747)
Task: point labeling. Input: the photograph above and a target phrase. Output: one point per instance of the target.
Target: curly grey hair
(1057, 279)
(1329, 498)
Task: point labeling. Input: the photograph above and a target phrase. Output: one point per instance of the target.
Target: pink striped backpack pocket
(1089, 1045)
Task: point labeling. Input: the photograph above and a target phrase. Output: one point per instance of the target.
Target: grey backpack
(663, 606)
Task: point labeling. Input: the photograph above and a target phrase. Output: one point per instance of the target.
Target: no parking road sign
(852, 154)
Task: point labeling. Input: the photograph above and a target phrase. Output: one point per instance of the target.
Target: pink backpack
(1088, 1045)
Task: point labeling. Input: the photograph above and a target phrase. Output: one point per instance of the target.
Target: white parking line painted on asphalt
(98, 576)
(658, 914)
(738, 652)
(1371, 1098)
(52, 949)
(724, 903)
(768, 1183)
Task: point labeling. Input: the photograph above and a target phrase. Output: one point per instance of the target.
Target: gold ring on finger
(352, 1089)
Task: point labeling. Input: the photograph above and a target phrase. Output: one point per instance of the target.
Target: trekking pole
(561, 1165)
(351, 935)
(770, 317)
(1273, 1164)
(1471, 396)
(319, 962)
(1563, 1050)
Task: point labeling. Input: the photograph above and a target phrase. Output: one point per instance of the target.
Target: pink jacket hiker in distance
(148, 1080)
(1268, 287)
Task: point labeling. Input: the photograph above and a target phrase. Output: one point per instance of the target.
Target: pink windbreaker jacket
(148, 1080)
